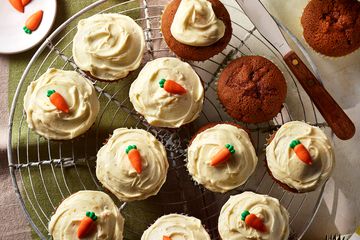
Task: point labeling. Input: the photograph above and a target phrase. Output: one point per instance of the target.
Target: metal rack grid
(43, 181)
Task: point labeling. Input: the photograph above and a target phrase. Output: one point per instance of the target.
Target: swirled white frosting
(115, 172)
(159, 107)
(196, 24)
(177, 227)
(66, 220)
(286, 167)
(228, 175)
(274, 216)
(109, 45)
(45, 119)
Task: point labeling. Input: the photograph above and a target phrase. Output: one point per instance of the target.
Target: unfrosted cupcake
(196, 29)
(132, 164)
(108, 46)
(248, 216)
(221, 157)
(95, 207)
(300, 157)
(176, 226)
(332, 27)
(61, 105)
(168, 93)
(252, 89)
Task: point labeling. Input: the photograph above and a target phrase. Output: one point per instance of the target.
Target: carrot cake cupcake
(196, 29)
(87, 214)
(108, 46)
(61, 105)
(332, 27)
(168, 93)
(132, 164)
(252, 89)
(176, 226)
(300, 157)
(253, 216)
(221, 157)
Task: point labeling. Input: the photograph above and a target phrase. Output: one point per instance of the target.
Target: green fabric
(41, 186)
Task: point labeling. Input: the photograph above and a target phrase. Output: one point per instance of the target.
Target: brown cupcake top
(332, 27)
(252, 89)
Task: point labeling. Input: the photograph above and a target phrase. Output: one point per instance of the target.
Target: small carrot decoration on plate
(58, 101)
(25, 2)
(18, 5)
(172, 87)
(33, 22)
(86, 224)
(134, 157)
(301, 152)
(253, 221)
(222, 155)
(166, 238)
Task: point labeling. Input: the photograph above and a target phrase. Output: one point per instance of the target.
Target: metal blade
(265, 24)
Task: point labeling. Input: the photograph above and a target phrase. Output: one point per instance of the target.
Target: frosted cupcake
(61, 104)
(300, 157)
(87, 214)
(108, 46)
(221, 157)
(248, 216)
(168, 93)
(132, 164)
(176, 226)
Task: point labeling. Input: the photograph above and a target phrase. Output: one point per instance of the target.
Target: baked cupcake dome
(108, 46)
(285, 164)
(274, 217)
(52, 121)
(252, 89)
(196, 29)
(116, 171)
(228, 175)
(332, 28)
(65, 222)
(176, 226)
(162, 108)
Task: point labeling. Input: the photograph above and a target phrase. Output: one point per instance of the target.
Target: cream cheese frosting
(177, 227)
(286, 167)
(196, 24)
(228, 175)
(66, 220)
(274, 216)
(115, 172)
(45, 119)
(108, 46)
(163, 109)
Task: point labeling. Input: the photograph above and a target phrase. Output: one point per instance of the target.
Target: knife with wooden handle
(333, 114)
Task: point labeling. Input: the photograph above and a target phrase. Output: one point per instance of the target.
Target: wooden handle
(333, 114)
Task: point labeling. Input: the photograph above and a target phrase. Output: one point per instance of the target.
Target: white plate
(13, 39)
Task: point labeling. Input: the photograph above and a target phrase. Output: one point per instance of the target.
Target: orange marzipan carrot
(222, 155)
(166, 238)
(25, 2)
(253, 221)
(134, 157)
(301, 152)
(58, 101)
(86, 224)
(33, 22)
(17, 4)
(172, 87)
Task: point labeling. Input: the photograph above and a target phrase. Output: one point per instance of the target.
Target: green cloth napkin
(44, 187)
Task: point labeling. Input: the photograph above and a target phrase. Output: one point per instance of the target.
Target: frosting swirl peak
(196, 24)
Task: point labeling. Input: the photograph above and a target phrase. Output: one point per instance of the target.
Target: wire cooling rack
(44, 172)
